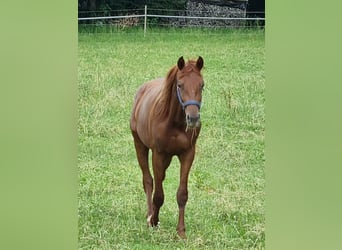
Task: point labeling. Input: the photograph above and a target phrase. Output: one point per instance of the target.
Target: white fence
(131, 20)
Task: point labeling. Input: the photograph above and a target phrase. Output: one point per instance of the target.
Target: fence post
(145, 20)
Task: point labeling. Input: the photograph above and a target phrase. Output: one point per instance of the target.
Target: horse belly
(144, 136)
(142, 127)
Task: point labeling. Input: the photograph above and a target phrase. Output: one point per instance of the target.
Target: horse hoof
(182, 235)
(149, 224)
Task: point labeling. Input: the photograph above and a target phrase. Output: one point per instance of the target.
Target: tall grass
(226, 207)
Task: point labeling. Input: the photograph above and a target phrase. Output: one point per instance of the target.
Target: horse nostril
(192, 119)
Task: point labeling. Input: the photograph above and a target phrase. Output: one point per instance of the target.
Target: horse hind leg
(142, 156)
(160, 163)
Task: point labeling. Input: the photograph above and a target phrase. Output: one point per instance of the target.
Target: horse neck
(171, 109)
(175, 114)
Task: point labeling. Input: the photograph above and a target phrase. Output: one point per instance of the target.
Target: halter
(188, 103)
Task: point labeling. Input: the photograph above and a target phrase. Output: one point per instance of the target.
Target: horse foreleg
(186, 160)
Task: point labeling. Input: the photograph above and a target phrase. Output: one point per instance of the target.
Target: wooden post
(145, 20)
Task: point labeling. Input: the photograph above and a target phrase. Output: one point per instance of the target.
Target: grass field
(226, 206)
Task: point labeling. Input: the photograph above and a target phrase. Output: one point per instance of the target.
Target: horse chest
(174, 143)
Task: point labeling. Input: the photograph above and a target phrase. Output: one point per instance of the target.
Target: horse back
(142, 107)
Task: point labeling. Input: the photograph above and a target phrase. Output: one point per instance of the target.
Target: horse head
(189, 89)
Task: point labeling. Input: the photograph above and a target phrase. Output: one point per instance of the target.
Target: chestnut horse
(166, 119)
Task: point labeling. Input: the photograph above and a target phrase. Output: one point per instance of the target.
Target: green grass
(226, 206)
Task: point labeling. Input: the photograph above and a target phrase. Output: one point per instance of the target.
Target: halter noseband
(188, 103)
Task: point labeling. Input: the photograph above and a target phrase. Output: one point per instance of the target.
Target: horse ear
(199, 63)
(181, 63)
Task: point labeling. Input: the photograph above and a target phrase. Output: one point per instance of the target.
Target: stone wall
(212, 8)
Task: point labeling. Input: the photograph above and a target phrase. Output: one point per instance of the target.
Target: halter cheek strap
(187, 103)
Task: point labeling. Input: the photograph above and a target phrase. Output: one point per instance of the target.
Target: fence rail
(179, 20)
(109, 17)
(179, 17)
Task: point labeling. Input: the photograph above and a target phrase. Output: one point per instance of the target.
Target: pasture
(226, 206)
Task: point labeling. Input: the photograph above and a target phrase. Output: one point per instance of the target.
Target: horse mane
(166, 99)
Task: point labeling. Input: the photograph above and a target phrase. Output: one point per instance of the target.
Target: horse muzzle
(193, 121)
